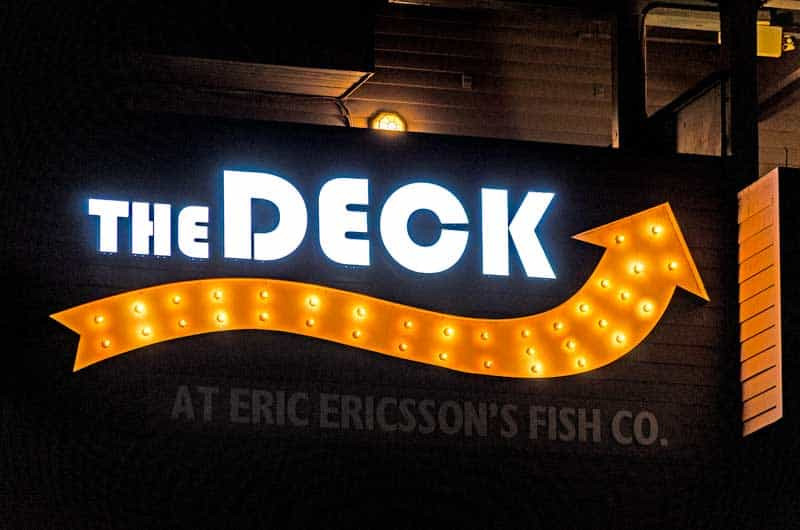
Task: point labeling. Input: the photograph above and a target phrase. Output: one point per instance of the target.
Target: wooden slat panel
(760, 404)
(761, 421)
(758, 303)
(758, 363)
(760, 383)
(756, 263)
(759, 343)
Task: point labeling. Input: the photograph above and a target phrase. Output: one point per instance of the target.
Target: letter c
(397, 210)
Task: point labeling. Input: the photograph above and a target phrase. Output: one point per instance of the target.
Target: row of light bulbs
(360, 313)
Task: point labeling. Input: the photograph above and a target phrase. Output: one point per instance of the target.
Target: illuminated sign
(336, 221)
(646, 257)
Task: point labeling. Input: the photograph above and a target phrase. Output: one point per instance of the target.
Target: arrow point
(61, 318)
(687, 277)
(690, 280)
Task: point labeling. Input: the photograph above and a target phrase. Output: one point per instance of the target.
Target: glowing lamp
(388, 121)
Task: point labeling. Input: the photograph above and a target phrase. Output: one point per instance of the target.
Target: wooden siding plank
(753, 202)
(755, 223)
(758, 323)
(757, 303)
(760, 383)
(762, 420)
(758, 363)
(756, 263)
(759, 343)
(755, 243)
(760, 404)
(757, 283)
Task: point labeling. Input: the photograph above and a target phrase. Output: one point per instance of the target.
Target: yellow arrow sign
(645, 259)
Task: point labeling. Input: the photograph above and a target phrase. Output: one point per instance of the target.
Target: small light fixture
(388, 121)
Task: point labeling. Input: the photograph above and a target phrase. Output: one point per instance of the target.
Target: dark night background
(97, 449)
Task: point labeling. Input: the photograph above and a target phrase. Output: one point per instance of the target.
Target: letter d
(240, 188)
